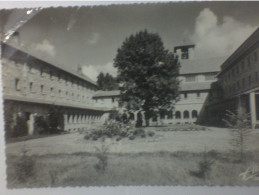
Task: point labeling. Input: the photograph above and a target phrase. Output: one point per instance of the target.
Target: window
(41, 71)
(112, 100)
(233, 72)
(209, 77)
(237, 69)
(194, 114)
(170, 114)
(59, 91)
(178, 115)
(186, 114)
(243, 82)
(198, 94)
(238, 85)
(249, 80)
(185, 95)
(242, 65)
(42, 89)
(17, 85)
(190, 78)
(185, 55)
(51, 91)
(31, 86)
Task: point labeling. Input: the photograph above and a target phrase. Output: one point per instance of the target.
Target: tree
(147, 74)
(240, 130)
(107, 82)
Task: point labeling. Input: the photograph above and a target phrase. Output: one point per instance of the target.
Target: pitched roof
(252, 40)
(106, 93)
(192, 66)
(47, 60)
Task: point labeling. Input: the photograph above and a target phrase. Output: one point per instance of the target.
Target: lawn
(167, 158)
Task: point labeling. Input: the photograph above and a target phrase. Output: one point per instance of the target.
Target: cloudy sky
(90, 36)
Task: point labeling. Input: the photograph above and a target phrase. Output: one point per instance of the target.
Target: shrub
(204, 168)
(151, 133)
(131, 137)
(102, 157)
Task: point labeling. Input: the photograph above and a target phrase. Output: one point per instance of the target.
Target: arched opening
(194, 114)
(131, 116)
(186, 114)
(178, 115)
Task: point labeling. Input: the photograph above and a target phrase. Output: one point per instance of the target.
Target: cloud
(46, 47)
(94, 39)
(213, 39)
(92, 71)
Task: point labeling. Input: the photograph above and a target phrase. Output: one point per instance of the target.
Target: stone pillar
(30, 124)
(65, 121)
(252, 109)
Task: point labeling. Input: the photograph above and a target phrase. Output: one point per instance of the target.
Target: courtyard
(166, 158)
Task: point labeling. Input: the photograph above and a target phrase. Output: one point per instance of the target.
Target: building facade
(31, 86)
(238, 83)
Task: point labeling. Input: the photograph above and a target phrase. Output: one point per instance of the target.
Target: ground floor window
(194, 114)
(178, 115)
(186, 114)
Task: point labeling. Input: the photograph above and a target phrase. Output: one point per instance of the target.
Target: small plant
(204, 168)
(151, 133)
(102, 156)
(25, 166)
(239, 128)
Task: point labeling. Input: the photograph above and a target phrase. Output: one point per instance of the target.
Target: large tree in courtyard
(147, 74)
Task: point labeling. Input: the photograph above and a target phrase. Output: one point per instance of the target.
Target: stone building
(196, 76)
(32, 85)
(238, 83)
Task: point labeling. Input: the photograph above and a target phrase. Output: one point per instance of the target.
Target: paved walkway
(191, 141)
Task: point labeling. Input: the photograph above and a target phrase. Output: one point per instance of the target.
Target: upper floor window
(198, 94)
(243, 82)
(185, 95)
(238, 85)
(248, 61)
(41, 71)
(185, 55)
(190, 78)
(42, 89)
(31, 86)
(249, 80)
(209, 77)
(237, 69)
(17, 85)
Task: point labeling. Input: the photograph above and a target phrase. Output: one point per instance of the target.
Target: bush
(102, 156)
(151, 133)
(204, 168)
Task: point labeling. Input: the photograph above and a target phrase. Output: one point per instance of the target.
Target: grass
(166, 158)
(160, 168)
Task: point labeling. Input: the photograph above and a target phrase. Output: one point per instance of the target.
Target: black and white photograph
(131, 94)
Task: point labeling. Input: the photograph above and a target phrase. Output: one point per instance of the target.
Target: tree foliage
(147, 73)
(107, 82)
